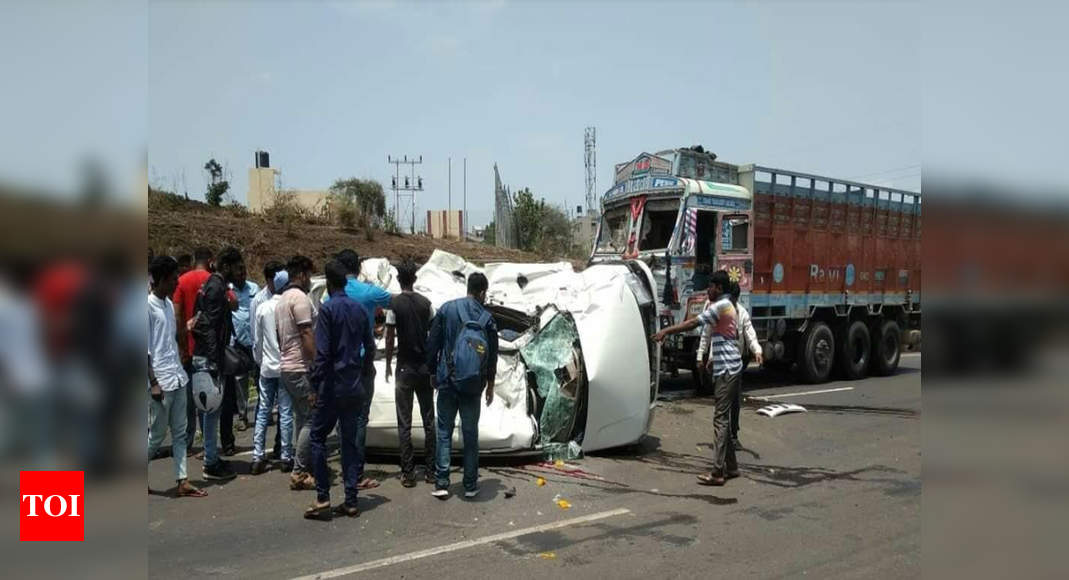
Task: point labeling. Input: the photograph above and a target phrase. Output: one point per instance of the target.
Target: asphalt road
(834, 492)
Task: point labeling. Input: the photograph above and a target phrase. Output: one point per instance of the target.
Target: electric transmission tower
(591, 163)
(406, 189)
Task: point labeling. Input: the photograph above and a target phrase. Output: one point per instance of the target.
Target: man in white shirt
(266, 352)
(167, 379)
(748, 344)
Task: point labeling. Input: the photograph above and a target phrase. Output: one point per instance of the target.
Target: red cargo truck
(829, 268)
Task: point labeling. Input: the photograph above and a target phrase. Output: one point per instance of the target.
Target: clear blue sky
(331, 89)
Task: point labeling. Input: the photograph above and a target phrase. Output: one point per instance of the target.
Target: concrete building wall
(444, 223)
(262, 194)
(583, 229)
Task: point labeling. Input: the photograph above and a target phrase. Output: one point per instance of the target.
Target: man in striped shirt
(725, 366)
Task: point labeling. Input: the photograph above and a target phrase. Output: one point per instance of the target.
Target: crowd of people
(212, 330)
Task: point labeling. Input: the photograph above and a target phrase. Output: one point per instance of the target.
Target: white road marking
(910, 354)
(768, 397)
(461, 545)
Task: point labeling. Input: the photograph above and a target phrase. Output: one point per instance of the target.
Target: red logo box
(51, 506)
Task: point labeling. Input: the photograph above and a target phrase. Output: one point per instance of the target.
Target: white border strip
(770, 397)
(461, 545)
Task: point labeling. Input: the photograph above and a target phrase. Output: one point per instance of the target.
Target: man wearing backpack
(462, 347)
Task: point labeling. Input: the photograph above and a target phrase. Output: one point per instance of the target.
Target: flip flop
(367, 483)
(317, 512)
(346, 510)
(711, 480)
(195, 492)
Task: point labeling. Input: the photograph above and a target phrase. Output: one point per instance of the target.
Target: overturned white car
(576, 366)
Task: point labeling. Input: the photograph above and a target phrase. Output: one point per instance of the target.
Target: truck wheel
(817, 353)
(886, 348)
(855, 350)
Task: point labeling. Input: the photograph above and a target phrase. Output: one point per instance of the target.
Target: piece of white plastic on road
(780, 409)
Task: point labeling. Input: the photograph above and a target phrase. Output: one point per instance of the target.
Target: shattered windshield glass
(613, 235)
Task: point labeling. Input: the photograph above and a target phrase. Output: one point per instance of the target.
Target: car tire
(886, 348)
(855, 350)
(817, 353)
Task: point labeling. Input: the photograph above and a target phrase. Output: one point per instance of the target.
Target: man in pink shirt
(295, 319)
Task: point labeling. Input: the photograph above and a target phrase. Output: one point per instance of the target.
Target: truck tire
(886, 348)
(817, 353)
(855, 350)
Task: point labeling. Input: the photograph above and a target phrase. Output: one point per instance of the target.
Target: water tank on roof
(262, 159)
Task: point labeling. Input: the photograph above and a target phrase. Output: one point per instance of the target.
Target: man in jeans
(211, 333)
(371, 298)
(454, 398)
(185, 298)
(295, 320)
(725, 365)
(343, 372)
(407, 323)
(270, 289)
(167, 379)
(267, 355)
(245, 290)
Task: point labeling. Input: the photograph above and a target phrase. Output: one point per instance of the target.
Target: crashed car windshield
(576, 370)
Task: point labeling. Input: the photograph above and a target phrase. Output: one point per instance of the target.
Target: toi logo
(51, 506)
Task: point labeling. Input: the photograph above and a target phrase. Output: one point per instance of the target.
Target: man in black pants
(408, 322)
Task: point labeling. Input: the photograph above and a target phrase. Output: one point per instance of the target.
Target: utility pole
(449, 207)
(411, 185)
(590, 162)
(464, 214)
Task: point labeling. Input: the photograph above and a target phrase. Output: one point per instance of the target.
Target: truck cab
(682, 213)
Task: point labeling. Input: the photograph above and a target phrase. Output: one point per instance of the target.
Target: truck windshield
(658, 223)
(613, 235)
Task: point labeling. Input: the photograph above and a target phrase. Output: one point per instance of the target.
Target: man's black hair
(271, 268)
(299, 265)
(406, 273)
(477, 283)
(350, 259)
(229, 257)
(202, 255)
(735, 291)
(162, 267)
(185, 261)
(720, 278)
(335, 271)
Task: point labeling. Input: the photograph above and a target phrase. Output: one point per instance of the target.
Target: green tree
(490, 233)
(217, 186)
(556, 232)
(527, 213)
(359, 199)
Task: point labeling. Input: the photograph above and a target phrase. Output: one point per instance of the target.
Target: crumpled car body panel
(614, 342)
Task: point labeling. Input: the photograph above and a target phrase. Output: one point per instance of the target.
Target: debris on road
(780, 409)
(561, 502)
(548, 555)
(510, 492)
(540, 481)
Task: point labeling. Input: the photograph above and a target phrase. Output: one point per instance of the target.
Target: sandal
(346, 510)
(711, 480)
(367, 483)
(317, 511)
(191, 492)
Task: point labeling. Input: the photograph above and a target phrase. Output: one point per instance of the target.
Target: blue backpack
(467, 364)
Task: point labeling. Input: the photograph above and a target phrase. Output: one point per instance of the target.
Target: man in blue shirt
(371, 297)
(343, 376)
(448, 324)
